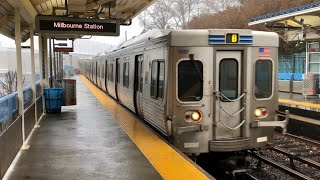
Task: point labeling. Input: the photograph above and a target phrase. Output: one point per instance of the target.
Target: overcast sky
(133, 30)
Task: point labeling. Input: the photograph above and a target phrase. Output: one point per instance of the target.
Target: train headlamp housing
(193, 116)
(261, 113)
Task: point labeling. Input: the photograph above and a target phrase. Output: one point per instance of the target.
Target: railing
(8, 106)
(9, 103)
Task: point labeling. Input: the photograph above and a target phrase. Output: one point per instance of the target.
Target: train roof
(199, 37)
(149, 35)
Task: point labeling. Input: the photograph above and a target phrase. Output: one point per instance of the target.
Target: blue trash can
(53, 97)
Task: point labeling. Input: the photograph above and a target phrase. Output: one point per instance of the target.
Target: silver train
(206, 90)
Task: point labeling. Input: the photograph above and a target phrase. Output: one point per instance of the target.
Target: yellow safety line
(305, 104)
(169, 163)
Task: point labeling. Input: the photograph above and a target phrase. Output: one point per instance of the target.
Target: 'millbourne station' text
(77, 26)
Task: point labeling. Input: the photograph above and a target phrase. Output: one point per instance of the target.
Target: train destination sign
(79, 26)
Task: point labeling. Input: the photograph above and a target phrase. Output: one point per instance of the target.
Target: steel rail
(297, 158)
(281, 167)
(313, 142)
(250, 177)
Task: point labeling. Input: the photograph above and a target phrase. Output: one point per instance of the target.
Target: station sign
(63, 49)
(79, 26)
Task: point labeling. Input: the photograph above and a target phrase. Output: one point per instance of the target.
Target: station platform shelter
(95, 139)
(98, 139)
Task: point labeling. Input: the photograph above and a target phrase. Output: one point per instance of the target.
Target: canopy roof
(123, 10)
(300, 23)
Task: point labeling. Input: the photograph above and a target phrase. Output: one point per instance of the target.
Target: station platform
(98, 139)
(298, 101)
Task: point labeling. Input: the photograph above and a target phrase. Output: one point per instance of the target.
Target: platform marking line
(169, 163)
(298, 103)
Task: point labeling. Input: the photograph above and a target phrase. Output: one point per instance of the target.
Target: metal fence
(9, 104)
(291, 67)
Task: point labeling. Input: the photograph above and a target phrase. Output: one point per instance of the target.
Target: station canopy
(296, 24)
(121, 10)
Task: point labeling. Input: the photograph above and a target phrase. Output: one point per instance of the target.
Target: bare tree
(156, 16)
(9, 85)
(178, 13)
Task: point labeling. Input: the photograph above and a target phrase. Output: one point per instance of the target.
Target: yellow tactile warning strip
(169, 163)
(297, 103)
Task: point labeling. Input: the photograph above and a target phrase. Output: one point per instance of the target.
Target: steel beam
(5, 19)
(90, 6)
(27, 10)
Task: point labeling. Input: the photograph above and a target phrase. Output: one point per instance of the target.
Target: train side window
(190, 80)
(161, 79)
(107, 70)
(98, 70)
(263, 79)
(228, 78)
(126, 74)
(102, 70)
(157, 79)
(154, 74)
(141, 76)
(118, 72)
(111, 73)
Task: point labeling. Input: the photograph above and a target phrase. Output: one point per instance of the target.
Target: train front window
(263, 79)
(228, 78)
(190, 80)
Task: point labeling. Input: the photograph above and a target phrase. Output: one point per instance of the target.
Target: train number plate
(232, 38)
(262, 139)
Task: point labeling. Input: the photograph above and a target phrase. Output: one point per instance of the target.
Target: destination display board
(79, 26)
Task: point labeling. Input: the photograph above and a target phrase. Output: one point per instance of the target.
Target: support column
(41, 64)
(19, 68)
(46, 64)
(50, 54)
(33, 72)
(61, 65)
(54, 60)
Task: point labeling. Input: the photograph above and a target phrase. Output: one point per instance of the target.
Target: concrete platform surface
(83, 142)
(311, 103)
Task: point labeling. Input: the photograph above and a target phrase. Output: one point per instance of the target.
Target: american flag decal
(264, 52)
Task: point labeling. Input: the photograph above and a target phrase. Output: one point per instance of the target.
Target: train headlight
(196, 116)
(257, 112)
(193, 116)
(261, 113)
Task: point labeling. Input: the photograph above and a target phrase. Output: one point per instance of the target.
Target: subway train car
(207, 91)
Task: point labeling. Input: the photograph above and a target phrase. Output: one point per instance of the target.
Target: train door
(228, 78)
(117, 83)
(138, 85)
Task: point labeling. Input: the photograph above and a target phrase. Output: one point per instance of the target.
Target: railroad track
(296, 156)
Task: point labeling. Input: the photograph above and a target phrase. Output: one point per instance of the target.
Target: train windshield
(228, 78)
(263, 79)
(190, 80)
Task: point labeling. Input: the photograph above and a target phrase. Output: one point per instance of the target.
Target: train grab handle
(283, 124)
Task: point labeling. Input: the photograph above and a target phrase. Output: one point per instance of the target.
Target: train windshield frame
(263, 78)
(190, 80)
